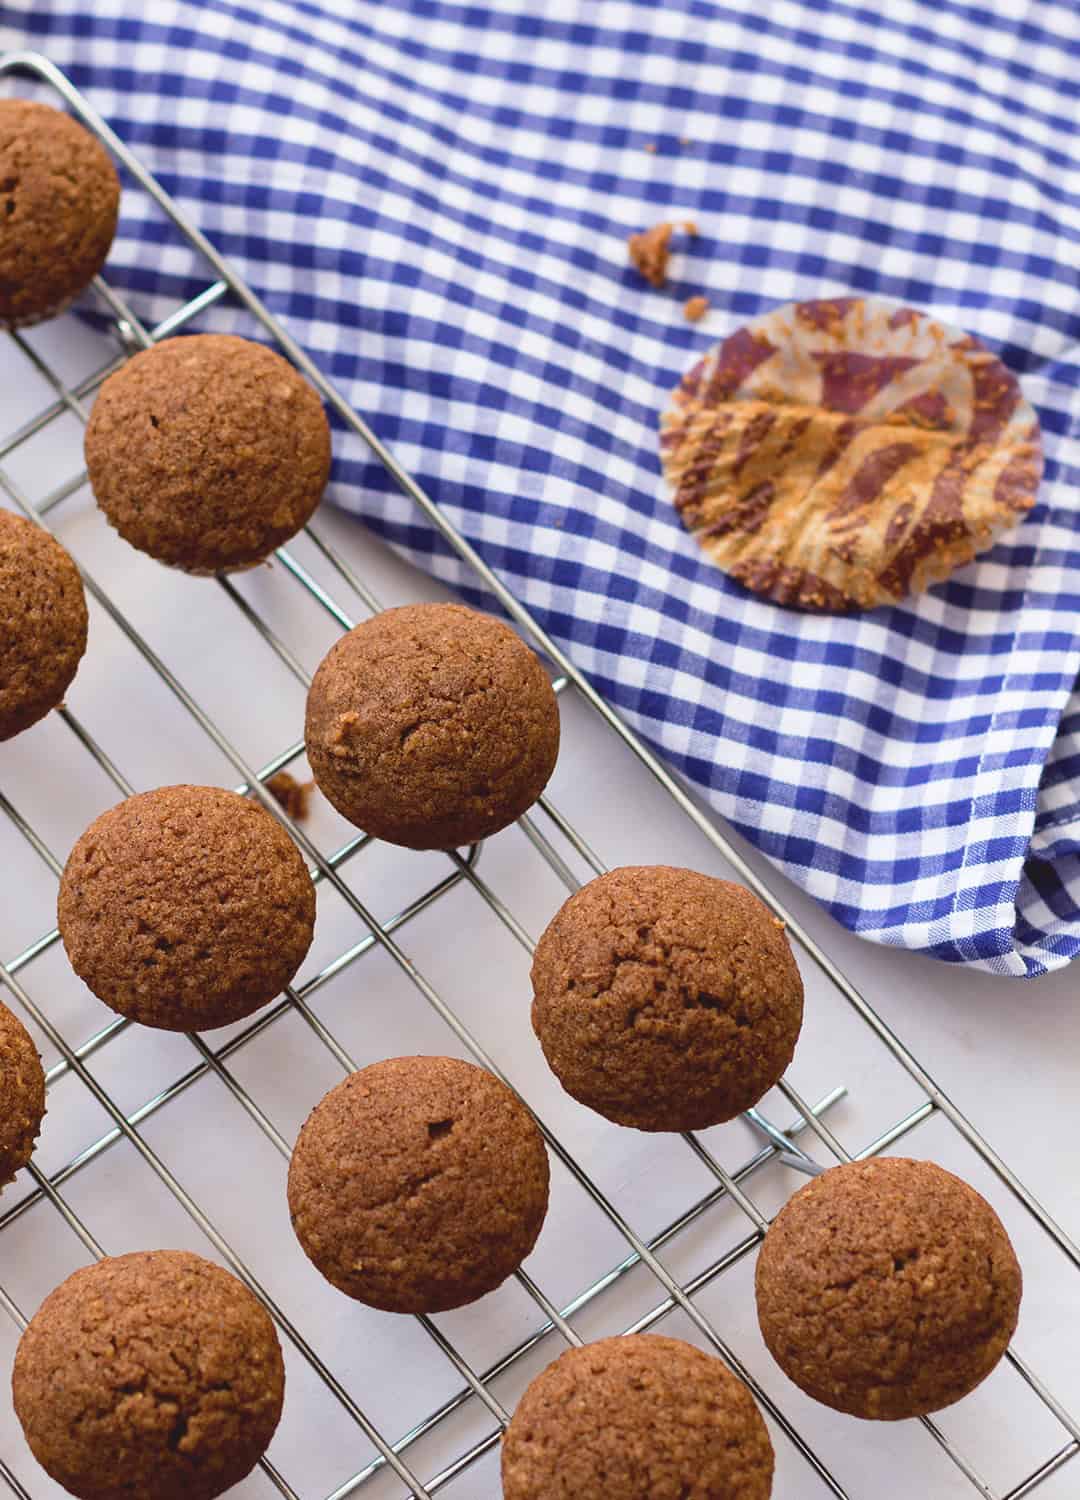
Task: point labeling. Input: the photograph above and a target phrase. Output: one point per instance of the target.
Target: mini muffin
(207, 452)
(59, 199)
(665, 999)
(22, 1095)
(637, 1416)
(418, 1184)
(186, 908)
(154, 1374)
(887, 1288)
(431, 726)
(43, 623)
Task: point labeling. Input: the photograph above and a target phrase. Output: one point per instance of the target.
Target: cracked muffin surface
(59, 201)
(186, 908)
(635, 1416)
(156, 1374)
(431, 726)
(665, 999)
(418, 1184)
(887, 1288)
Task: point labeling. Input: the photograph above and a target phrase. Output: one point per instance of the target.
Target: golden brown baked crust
(22, 1095)
(43, 623)
(431, 726)
(186, 908)
(207, 451)
(637, 1416)
(153, 1374)
(59, 199)
(418, 1184)
(887, 1288)
(665, 999)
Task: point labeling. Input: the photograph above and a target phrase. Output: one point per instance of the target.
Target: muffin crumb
(650, 252)
(650, 249)
(294, 796)
(695, 308)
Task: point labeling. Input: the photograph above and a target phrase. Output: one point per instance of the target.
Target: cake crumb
(695, 308)
(650, 251)
(294, 796)
(650, 146)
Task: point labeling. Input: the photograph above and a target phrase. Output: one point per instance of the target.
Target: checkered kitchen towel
(436, 197)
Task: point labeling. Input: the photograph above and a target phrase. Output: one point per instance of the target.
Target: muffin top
(431, 726)
(156, 1374)
(43, 623)
(637, 1416)
(207, 451)
(887, 1288)
(59, 200)
(22, 1095)
(665, 999)
(418, 1184)
(186, 907)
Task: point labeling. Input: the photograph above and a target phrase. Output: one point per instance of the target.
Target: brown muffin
(186, 908)
(59, 198)
(22, 1095)
(418, 1184)
(154, 1374)
(887, 1288)
(207, 452)
(43, 623)
(665, 999)
(431, 726)
(637, 1416)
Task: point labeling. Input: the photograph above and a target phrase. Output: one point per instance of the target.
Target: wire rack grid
(477, 1388)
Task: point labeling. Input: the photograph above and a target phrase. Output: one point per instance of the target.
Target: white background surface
(1006, 1051)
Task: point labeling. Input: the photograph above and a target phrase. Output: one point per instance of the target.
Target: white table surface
(1006, 1051)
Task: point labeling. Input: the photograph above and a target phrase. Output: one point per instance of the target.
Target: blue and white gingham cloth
(435, 196)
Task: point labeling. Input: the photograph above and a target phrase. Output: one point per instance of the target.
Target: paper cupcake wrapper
(843, 454)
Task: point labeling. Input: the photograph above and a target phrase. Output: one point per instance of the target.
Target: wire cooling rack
(361, 1431)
